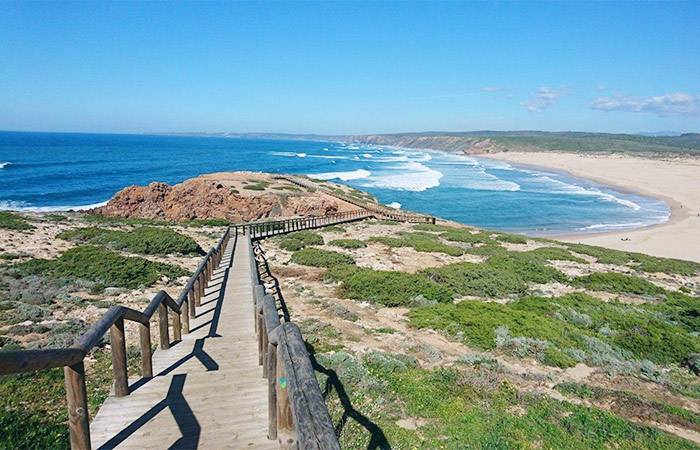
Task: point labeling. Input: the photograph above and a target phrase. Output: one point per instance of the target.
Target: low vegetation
(144, 240)
(103, 266)
(348, 243)
(13, 221)
(317, 257)
(297, 241)
(388, 288)
(419, 241)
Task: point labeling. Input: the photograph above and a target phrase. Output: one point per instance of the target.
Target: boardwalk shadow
(378, 439)
(181, 411)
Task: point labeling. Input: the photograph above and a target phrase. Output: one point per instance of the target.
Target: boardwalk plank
(208, 390)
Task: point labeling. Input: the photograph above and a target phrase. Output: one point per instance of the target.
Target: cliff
(234, 196)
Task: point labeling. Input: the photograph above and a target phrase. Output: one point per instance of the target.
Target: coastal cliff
(235, 196)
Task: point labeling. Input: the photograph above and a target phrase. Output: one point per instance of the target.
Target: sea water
(59, 171)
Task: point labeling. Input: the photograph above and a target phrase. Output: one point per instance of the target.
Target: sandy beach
(675, 181)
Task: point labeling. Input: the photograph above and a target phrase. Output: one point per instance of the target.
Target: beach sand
(675, 181)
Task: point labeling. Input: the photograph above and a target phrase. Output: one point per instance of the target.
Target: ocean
(60, 171)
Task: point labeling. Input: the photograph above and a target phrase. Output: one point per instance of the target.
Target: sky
(349, 67)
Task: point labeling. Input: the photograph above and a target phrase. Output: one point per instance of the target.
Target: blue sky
(349, 68)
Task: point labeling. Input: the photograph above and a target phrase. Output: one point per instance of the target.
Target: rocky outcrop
(207, 197)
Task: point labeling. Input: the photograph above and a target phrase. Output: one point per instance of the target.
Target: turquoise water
(58, 171)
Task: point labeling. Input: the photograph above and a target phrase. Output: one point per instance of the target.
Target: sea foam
(344, 176)
(4, 164)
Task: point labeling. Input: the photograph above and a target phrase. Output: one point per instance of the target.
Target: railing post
(177, 326)
(146, 356)
(191, 301)
(163, 326)
(272, 392)
(285, 420)
(264, 346)
(76, 397)
(118, 343)
(184, 309)
(261, 332)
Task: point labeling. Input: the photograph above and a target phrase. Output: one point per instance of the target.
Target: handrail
(400, 216)
(259, 230)
(71, 359)
(297, 413)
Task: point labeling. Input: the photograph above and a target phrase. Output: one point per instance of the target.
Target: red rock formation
(207, 198)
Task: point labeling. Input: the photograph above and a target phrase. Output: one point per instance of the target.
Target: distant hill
(483, 142)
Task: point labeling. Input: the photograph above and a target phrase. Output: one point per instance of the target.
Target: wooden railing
(382, 211)
(71, 359)
(297, 413)
(259, 230)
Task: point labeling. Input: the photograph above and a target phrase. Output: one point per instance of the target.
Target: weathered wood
(163, 326)
(76, 398)
(118, 343)
(272, 392)
(285, 420)
(185, 317)
(195, 290)
(31, 360)
(191, 301)
(177, 327)
(270, 314)
(263, 345)
(146, 355)
(99, 329)
(313, 425)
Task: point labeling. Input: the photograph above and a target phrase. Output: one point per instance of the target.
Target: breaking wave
(344, 176)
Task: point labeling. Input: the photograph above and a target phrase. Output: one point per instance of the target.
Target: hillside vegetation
(440, 336)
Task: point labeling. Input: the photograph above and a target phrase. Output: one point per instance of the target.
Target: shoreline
(676, 182)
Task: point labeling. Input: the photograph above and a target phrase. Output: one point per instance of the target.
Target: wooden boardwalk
(207, 390)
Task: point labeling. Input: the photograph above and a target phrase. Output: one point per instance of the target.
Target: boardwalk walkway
(207, 390)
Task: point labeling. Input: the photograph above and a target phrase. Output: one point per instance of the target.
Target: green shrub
(287, 188)
(603, 255)
(484, 280)
(465, 235)
(421, 242)
(344, 271)
(259, 186)
(335, 228)
(389, 288)
(652, 264)
(104, 266)
(577, 389)
(207, 223)
(348, 243)
(576, 326)
(296, 241)
(433, 227)
(645, 263)
(512, 238)
(13, 221)
(388, 222)
(554, 254)
(527, 266)
(317, 257)
(618, 283)
(144, 240)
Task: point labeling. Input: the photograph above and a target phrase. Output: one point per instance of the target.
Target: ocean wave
(24, 206)
(410, 176)
(4, 164)
(614, 226)
(301, 155)
(567, 188)
(344, 176)
(395, 205)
